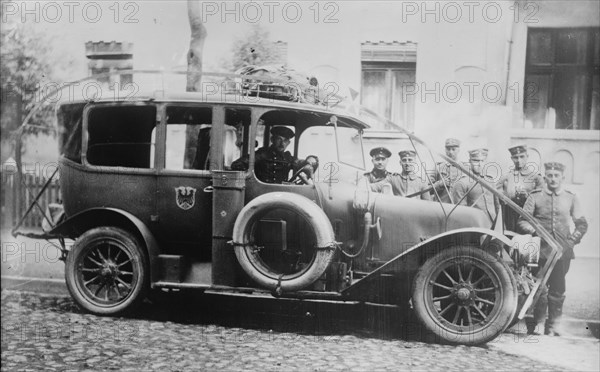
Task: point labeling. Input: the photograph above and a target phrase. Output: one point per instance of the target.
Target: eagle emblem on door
(185, 197)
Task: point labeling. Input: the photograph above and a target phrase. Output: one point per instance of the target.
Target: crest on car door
(185, 197)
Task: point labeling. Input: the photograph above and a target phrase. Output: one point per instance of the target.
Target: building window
(388, 76)
(562, 84)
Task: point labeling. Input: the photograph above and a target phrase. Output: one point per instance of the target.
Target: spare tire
(249, 256)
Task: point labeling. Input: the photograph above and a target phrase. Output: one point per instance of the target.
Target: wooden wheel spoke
(479, 299)
(124, 284)
(470, 276)
(460, 276)
(449, 277)
(125, 273)
(469, 318)
(480, 312)
(94, 261)
(99, 289)
(457, 314)
(441, 286)
(116, 287)
(447, 308)
(479, 280)
(100, 254)
(88, 270)
(441, 298)
(91, 280)
(123, 263)
(485, 289)
(117, 255)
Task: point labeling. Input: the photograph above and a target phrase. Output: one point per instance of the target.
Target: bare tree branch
(194, 57)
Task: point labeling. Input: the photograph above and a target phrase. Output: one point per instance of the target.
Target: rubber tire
(311, 213)
(139, 261)
(497, 325)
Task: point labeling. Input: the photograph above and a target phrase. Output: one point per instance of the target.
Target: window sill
(559, 134)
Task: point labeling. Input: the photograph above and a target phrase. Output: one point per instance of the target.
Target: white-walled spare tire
(249, 257)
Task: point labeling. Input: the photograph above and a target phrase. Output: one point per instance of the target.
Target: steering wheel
(300, 178)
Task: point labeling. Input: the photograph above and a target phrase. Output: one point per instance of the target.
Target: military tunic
(376, 175)
(464, 193)
(554, 210)
(377, 180)
(517, 185)
(407, 184)
(449, 174)
(270, 165)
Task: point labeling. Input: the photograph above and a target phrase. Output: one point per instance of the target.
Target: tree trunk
(194, 57)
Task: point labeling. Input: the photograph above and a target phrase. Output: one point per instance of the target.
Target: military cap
(380, 151)
(519, 149)
(554, 165)
(452, 142)
(478, 154)
(405, 153)
(282, 131)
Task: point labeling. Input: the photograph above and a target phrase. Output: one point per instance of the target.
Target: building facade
(492, 74)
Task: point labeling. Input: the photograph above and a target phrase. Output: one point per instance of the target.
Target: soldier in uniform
(378, 178)
(554, 208)
(447, 173)
(466, 192)
(273, 163)
(408, 182)
(518, 183)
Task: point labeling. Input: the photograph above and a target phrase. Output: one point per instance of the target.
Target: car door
(184, 191)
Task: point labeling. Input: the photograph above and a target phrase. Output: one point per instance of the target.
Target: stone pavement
(173, 334)
(567, 351)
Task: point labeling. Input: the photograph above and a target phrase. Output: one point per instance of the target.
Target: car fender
(405, 261)
(83, 221)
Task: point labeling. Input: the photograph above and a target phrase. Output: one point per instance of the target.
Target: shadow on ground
(285, 315)
(275, 315)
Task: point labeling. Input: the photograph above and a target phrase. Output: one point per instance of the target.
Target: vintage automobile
(151, 202)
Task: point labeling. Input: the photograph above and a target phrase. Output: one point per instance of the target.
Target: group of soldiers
(545, 198)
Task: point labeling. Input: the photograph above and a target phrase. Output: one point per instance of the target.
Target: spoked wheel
(107, 271)
(465, 296)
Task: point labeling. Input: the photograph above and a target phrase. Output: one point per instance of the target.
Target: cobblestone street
(51, 333)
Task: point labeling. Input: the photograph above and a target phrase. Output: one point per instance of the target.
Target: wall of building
(482, 47)
(485, 62)
(579, 150)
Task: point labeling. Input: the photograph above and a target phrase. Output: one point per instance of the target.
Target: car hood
(408, 221)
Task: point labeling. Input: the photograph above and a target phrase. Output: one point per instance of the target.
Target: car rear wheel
(107, 271)
(464, 295)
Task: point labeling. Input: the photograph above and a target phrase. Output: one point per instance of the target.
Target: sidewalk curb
(39, 285)
(59, 287)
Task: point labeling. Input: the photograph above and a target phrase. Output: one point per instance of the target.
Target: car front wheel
(464, 295)
(107, 271)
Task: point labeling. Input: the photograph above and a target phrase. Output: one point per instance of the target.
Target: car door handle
(208, 189)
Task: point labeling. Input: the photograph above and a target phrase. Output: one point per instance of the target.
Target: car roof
(342, 109)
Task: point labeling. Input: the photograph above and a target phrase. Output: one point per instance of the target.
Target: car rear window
(122, 136)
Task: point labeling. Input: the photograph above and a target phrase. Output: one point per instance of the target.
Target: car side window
(188, 138)
(121, 136)
(236, 134)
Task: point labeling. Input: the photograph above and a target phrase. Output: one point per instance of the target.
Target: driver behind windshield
(273, 163)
